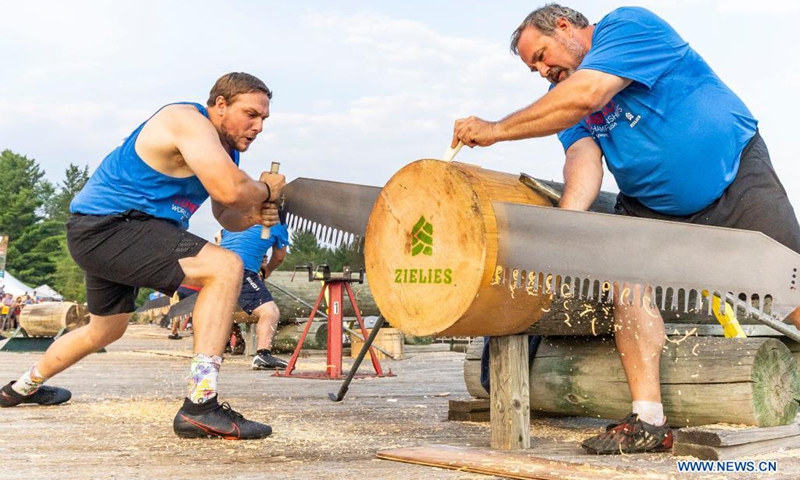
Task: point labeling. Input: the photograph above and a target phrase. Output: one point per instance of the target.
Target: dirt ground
(119, 421)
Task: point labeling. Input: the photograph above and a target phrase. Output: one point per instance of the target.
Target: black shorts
(755, 200)
(254, 293)
(120, 253)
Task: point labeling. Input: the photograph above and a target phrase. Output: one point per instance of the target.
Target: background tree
(25, 192)
(33, 213)
(75, 178)
(305, 249)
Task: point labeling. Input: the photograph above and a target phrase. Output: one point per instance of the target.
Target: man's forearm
(547, 116)
(234, 220)
(583, 176)
(584, 92)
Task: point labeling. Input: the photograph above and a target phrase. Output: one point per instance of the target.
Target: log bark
(48, 318)
(704, 380)
(288, 336)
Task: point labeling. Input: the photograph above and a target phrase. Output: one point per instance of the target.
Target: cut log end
(431, 250)
(774, 380)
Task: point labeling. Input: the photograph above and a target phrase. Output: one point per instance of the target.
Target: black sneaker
(43, 396)
(265, 361)
(630, 435)
(212, 419)
(174, 336)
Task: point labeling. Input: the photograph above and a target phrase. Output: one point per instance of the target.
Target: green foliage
(24, 194)
(33, 213)
(305, 249)
(143, 296)
(68, 279)
(75, 178)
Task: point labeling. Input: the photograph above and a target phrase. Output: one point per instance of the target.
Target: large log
(48, 318)
(288, 336)
(435, 252)
(431, 250)
(704, 380)
(444, 259)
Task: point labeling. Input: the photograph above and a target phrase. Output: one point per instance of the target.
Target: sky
(361, 88)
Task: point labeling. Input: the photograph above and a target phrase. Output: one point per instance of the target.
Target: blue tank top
(123, 182)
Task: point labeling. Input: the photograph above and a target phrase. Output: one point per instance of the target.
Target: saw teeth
(324, 234)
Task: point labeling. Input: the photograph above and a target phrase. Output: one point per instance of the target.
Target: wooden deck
(119, 422)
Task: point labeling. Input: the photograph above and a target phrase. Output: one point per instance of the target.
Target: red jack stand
(335, 286)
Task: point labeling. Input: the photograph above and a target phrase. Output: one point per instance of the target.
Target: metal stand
(335, 287)
(367, 346)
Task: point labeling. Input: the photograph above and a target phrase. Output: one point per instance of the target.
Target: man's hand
(474, 131)
(269, 214)
(275, 183)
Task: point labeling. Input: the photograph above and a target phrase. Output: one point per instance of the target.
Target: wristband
(269, 191)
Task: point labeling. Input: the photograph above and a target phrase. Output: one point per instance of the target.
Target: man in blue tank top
(254, 297)
(128, 230)
(680, 144)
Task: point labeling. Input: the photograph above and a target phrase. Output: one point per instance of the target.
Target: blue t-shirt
(673, 137)
(249, 245)
(123, 181)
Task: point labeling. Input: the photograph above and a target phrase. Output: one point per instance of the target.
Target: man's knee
(214, 263)
(269, 313)
(103, 331)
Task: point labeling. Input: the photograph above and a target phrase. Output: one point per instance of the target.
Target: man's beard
(227, 140)
(578, 53)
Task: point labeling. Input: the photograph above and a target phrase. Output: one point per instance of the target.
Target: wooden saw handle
(272, 169)
(450, 153)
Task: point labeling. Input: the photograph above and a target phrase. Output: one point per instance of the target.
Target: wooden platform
(507, 464)
(731, 442)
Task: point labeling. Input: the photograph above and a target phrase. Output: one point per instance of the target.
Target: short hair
(235, 83)
(544, 19)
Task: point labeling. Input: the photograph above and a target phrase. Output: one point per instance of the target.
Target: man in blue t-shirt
(680, 144)
(254, 297)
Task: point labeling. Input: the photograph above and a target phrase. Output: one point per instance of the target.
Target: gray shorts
(755, 200)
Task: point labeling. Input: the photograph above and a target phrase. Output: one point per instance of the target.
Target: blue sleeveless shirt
(123, 182)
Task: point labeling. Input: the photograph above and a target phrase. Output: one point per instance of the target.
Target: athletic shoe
(265, 361)
(174, 336)
(43, 396)
(212, 419)
(630, 435)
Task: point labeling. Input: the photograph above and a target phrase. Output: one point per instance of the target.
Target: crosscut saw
(592, 256)
(335, 212)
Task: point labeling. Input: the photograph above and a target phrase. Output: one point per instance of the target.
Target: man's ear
(220, 104)
(563, 25)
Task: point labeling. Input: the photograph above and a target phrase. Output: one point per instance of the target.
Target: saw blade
(588, 255)
(335, 212)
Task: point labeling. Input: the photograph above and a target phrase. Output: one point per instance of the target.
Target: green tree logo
(422, 238)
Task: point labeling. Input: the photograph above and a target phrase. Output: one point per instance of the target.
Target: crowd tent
(14, 286)
(47, 293)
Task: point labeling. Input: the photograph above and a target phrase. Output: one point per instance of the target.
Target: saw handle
(265, 233)
(450, 153)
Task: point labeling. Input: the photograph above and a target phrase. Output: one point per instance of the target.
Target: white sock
(649, 412)
(29, 382)
(203, 378)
